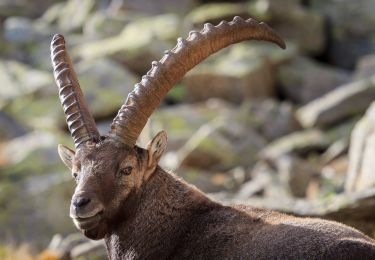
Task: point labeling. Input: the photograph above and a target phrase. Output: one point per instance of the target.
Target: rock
(19, 80)
(238, 146)
(105, 85)
(10, 128)
(154, 7)
(361, 153)
(365, 67)
(350, 39)
(136, 50)
(298, 79)
(101, 25)
(243, 71)
(215, 12)
(299, 143)
(261, 179)
(294, 22)
(343, 102)
(24, 7)
(270, 118)
(182, 121)
(333, 176)
(72, 20)
(335, 150)
(295, 174)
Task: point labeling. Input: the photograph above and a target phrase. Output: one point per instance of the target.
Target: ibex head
(110, 170)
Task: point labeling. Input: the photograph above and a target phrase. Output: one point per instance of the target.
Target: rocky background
(292, 130)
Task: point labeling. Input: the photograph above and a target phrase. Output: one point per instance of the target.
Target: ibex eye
(75, 175)
(126, 170)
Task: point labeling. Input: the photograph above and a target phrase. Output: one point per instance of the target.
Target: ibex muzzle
(144, 212)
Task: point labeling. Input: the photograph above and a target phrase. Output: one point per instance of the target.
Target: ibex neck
(164, 210)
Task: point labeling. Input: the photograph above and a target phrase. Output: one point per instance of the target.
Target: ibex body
(144, 212)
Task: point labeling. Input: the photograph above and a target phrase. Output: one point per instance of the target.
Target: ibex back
(144, 212)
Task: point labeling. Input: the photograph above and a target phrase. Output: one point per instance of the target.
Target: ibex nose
(81, 202)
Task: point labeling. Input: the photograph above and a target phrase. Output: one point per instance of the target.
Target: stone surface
(300, 143)
(101, 25)
(19, 80)
(243, 71)
(238, 146)
(70, 19)
(104, 82)
(294, 22)
(295, 174)
(180, 7)
(365, 67)
(215, 12)
(350, 38)
(136, 50)
(361, 154)
(182, 121)
(343, 102)
(298, 79)
(272, 119)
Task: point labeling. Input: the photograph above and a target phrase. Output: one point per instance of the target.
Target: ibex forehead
(106, 151)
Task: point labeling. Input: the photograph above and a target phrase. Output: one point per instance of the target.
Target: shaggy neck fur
(152, 222)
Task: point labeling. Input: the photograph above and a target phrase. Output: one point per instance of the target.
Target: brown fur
(152, 214)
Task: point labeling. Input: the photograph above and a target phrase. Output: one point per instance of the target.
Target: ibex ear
(66, 155)
(155, 149)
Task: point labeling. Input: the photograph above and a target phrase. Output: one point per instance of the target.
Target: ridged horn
(80, 122)
(164, 74)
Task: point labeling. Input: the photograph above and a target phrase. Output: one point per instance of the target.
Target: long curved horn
(80, 122)
(164, 74)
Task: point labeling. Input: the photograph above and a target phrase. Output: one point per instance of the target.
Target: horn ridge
(80, 122)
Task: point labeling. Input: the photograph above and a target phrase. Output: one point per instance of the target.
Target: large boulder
(361, 154)
(365, 67)
(298, 79)
(338, 104)
(139, 43)
(294, 22)
(350, 38)
(298, 143)
(154, 7)
(237, 142)
(243, 71)
(105, 85)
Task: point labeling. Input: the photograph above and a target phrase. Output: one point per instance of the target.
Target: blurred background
(291, 130)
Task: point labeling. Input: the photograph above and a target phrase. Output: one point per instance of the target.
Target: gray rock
(294, 22)
(104, 82)
(215, 12)
(154, 7)
(101, 25)
(19, 79)
(182, 121)
(298, 79)
(270, 118)
(136, 50)
(361, 154)
(296, 174)
(243, 71)
(343, 102)
(350, 38)
(238, 146)
(365, 67)
(9, 127)
(299, 143)
(70, 19)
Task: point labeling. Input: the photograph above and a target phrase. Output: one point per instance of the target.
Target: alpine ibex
(144, 212)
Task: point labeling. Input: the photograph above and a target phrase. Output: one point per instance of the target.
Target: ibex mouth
(89, 222)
